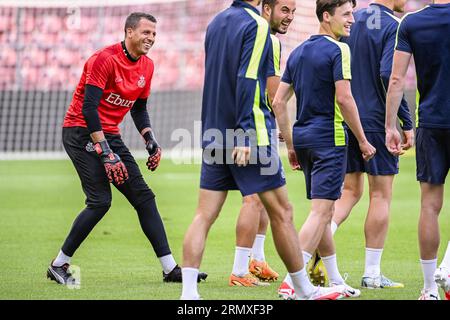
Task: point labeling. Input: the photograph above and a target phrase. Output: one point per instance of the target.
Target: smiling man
(372, 46)
(319, 73)
(115, 80)
(253, 220)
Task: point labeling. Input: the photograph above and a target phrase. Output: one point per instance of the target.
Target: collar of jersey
(316, 36)
(127, 54)
(383, 7)
(439, 5)
(243, 4)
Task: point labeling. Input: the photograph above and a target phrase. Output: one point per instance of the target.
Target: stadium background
(44, 44)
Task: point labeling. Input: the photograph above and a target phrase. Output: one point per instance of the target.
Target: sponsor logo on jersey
(116, 100)
(141, 82)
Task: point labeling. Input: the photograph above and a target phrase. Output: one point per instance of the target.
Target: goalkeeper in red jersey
(115, 80)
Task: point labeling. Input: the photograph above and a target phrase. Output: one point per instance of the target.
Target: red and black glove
(154, 151)
(115, 169)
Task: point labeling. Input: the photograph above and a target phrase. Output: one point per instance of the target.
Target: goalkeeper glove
(154, 151)
(114, 167)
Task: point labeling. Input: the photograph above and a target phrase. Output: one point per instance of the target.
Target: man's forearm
(97, 136)
(351, 117)
(394, 97)
(281, 114)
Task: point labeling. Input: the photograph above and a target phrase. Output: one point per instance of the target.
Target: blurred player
(324, 101)
(237, 46)
(115, 80)
(279, 14)
(424, 34)
(372, 44)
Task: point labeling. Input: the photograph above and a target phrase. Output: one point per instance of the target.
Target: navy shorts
(382, 164)
(432, 155)
(324, 170)
(258, 176)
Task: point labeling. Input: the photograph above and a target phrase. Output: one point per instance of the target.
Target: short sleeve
(402, 42)
(274, 57)
(388, 52)
(98, 71)
(341, 63)
(287, 75)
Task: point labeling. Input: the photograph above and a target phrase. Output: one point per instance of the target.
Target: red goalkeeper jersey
(123, 82)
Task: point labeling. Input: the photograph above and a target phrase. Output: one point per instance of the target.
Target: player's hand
(154, 151)
(368, 151)
(241, 156)
(394, 142)
(408, 138)
(114, 167)
(292, 156)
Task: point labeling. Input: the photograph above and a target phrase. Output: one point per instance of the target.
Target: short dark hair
(134, 18)
(270, 3)
(330, 6)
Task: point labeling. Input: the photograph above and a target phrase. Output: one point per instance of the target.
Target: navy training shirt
(238, 51)
(372, 43)
(426, 34)
(312, 70)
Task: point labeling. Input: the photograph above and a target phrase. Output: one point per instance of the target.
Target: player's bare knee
(431, 208)
(282, 215)
(254, 202)
(380, 195)
(325, 214)
(204, 217)
(354, 191)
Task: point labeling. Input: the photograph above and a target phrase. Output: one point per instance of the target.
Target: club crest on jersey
(141, 82)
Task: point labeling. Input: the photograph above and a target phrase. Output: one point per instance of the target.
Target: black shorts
(383, 163)
(90, 169)
(432, 155)
(324, 170)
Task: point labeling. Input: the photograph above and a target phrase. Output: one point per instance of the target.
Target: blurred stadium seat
(43, 50)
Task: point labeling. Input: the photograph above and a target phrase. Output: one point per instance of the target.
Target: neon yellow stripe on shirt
(339, 131)
(260, 120)
(417, 107)
(345, 54)
(276, 55)
(258, 48)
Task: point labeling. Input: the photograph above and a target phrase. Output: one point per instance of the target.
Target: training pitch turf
(40, 199)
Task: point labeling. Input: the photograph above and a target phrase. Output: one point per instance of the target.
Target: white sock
(330, 263)
(446, 261)
(334, 227)
(288, 280)
(189, 284)
(428, 269)
(306, 257)
(241, 260)
(373, 262)
(301, 284)
(61, 259)
(167, 263)
(258, 248)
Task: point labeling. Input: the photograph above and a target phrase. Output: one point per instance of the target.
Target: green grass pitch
(40, 199)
